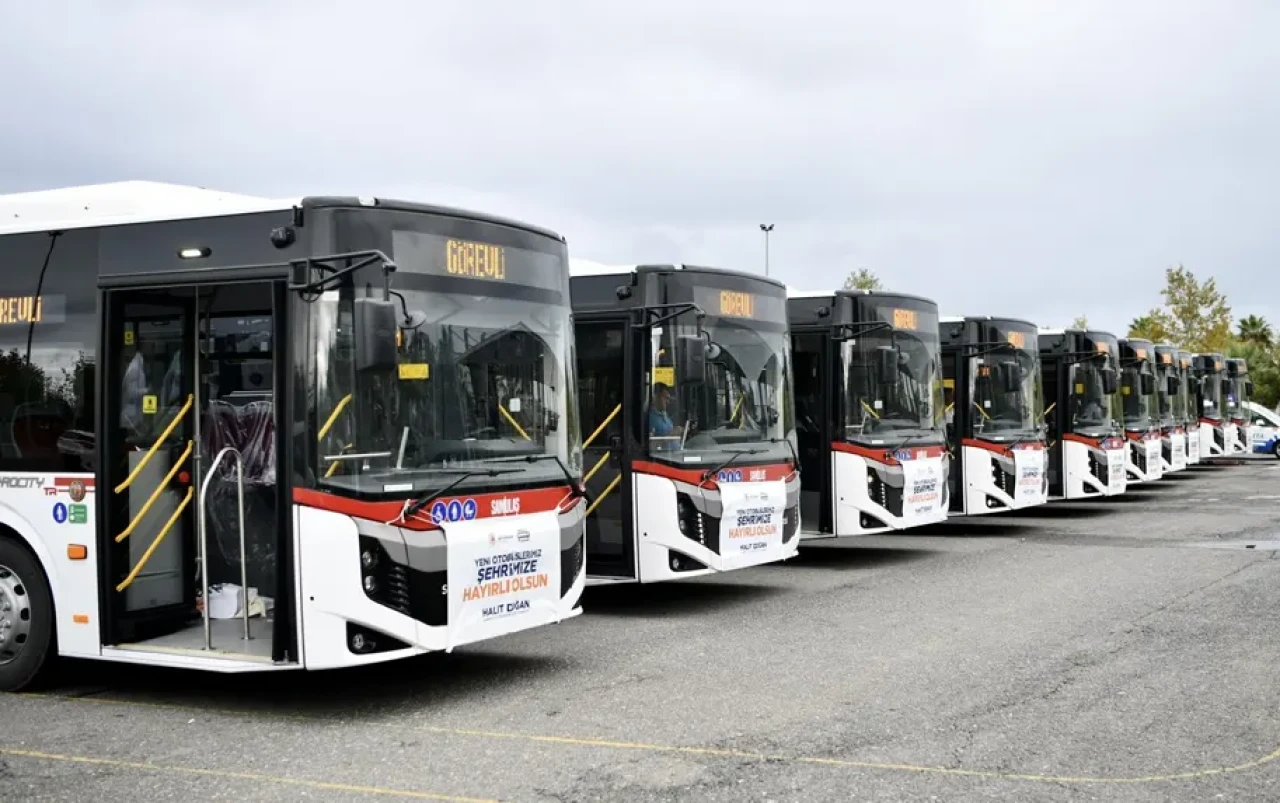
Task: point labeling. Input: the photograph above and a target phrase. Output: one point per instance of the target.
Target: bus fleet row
(241, 434)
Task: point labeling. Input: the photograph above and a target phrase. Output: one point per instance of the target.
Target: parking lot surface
(1119, 650)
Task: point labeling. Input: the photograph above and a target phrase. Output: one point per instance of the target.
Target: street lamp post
(766, 228)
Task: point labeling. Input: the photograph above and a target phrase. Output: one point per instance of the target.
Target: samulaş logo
(505, 506)
(77, 490)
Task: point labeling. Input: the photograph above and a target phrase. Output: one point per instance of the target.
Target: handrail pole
(244, 556)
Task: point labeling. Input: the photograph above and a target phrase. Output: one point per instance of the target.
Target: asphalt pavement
(1115, 651)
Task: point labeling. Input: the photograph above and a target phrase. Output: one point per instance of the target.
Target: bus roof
(587, 267)
(128, 202)
(122, 203)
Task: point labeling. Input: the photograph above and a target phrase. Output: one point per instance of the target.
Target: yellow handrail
(156, 493)
(337, 411)
(604, 493)
(1049, 409)
(146, 556)
(596, 467)
(600, 428)
(868, 408)
(150, 452)
(512, 421)
(736, 408)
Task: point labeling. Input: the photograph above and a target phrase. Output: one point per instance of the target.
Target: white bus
(869, 412)
(685, 398)
(1085, 415)
(1238, 389)
(240, 435)
(1215, 430)
(1185, 405)
(1141, 417)
(1169, 410)
(995, 414)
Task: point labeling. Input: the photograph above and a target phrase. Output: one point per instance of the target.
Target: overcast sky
(1029, 158)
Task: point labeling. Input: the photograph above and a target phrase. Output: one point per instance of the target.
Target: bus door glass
(601, 379)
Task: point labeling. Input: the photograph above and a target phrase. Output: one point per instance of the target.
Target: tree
(862, 279)
(1080, 322)
(1195, 315)
(1255, 330)
(1264, 369)
(1153, 326)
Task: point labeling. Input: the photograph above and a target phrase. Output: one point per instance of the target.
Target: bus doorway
(187, 487)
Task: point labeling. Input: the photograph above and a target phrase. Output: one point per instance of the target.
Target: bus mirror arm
(300, 271)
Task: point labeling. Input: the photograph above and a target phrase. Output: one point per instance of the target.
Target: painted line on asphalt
(174, 769)
(710, 752)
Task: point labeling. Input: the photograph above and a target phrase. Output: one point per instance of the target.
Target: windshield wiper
(791, 447)
(534, 458)
(467, 473)
(706, 475)
(908, 439)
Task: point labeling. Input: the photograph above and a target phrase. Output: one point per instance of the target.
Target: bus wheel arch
(28, 636)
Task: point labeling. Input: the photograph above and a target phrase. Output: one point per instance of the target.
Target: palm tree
(1252, 329)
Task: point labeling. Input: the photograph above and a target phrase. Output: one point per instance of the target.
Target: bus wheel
(26, 617)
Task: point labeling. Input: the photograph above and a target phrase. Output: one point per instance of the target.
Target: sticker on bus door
(751, 522)
(1028, 468)
(921, 489)
(503, 575)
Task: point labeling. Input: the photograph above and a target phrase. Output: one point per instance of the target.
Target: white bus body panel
(330, 581)
(1075, 459)
(658, 530)
(1029, 469)
(1177, 452)
(1192, 436)
(27, 503)
(1208, 443)
(1237, 438)
(849, 473)
(1149, 446)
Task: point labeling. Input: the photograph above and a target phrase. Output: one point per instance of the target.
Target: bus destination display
(25, 310)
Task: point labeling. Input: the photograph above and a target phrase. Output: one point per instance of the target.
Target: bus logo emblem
(76, 490)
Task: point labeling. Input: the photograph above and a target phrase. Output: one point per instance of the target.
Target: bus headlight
(370, 584)
(368, 560)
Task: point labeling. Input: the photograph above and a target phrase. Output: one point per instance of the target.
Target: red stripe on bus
(693, 476)
(884, 456)
(538, 500)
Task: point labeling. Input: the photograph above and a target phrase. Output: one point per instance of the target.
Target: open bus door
(189, 444)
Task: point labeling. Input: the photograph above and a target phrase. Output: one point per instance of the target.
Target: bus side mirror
(887, 365)
(1248, 386)
(1109, 382)
(1172, 385)
(692, 363)
(375, 325)
(1147, 384)
(1010, 377)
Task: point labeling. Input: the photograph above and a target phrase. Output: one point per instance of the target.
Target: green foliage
(1080, 322)
(1153, 326)
(862, 279)
(1264, 369)
(1255, 330)
(1196, 316)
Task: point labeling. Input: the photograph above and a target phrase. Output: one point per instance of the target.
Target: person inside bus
(660, 423)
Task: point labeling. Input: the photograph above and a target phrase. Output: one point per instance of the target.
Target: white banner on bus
(503, 575)
(1028, 472)
(751, 522)
(1116, 478)
(921, 489)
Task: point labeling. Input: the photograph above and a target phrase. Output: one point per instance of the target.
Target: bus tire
(26, 617)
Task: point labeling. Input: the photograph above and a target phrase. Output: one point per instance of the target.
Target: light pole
(766, 228)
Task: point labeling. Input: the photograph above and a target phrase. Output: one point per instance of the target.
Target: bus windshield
(1165, 401)
(485, 377)
(1095, 413)
(1005, 390)
(1179, 399)
(1138, 406)
(1235, 397)
(905, 402)
(1211, 394)
(721, 384)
